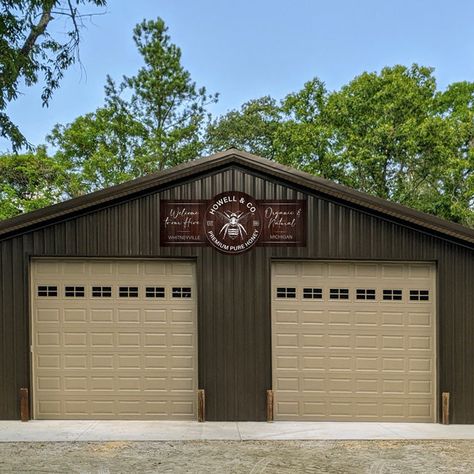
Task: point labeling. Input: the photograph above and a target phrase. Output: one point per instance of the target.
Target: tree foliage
(30, 181)
(29, 51)
(392, 134)
(150, 121)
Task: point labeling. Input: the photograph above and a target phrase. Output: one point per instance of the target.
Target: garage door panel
(47, 315)
(369, 271)
(101, 315)
(155, 317)
(354, 358)
(99, 354)
(87, 408)
(354, 410)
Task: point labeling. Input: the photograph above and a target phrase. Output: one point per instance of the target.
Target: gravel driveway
(253, 457)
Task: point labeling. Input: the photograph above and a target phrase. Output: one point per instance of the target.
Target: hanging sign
(233, 222)
(284, 223)
(181, 222)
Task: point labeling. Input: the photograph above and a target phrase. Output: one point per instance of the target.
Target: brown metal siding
(234, 304)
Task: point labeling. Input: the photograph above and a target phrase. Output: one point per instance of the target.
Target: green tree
(28, 50)
(392, 134)
(292, 131)
(164, 100)
(305, 136)
(253, 128)
(30, 181)
(401, 139)
(378, 122)
(454, 184)
(150, 121)
(98, 148)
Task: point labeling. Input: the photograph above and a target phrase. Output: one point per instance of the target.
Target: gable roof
(307, 182)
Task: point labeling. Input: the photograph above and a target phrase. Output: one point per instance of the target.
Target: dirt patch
(253, 457)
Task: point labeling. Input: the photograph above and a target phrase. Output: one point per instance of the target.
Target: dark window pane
(47, 290)
(74, 291)
(128, 291)
(181, 292)
(339, 293)
(102, 291)
(419, 295)
(312, 293)
(286, 292)
(155, 292)
(394, 295)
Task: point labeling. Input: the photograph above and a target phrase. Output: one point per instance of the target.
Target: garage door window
(313, 293)
(286, 292)
(128, 292)
(339, 293)
(394, 295)
(419, 295)
(74, 291)
(47, 290)
(155, 292)
(363, 294)
(179, 292)
(101, 291)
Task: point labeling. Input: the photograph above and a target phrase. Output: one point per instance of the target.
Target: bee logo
(233, 227)
(232, 222)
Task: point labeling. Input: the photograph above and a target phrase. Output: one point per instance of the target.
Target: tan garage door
(114, 339)
(353, 341)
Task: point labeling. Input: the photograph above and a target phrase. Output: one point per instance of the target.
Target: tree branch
(38, 30)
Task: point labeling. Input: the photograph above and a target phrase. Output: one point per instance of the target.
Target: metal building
(236, 276)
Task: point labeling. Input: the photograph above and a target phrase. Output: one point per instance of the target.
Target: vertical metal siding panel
(58, 233)
(135, 228)
(9, 328)
(445, 305)
(218, 296)
(4, 355)
(144, 226)
(245, 373)
(261, 315)
(460, 328)
(239, 319)
(208, 326)
(450, 340)
(71, 235)
(462, 350)
(228, 268)
(468, 357)
(20, 315)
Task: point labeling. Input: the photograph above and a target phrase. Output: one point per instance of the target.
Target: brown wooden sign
(181, 223)
(284, 223)
(233, 222)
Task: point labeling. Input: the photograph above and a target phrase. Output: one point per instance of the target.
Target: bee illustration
(233, 227)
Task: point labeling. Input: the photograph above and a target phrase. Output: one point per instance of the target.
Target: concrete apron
(67, 430)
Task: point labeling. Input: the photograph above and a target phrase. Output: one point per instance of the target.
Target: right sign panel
(283, 222)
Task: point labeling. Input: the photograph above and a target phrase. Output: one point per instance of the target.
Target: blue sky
(245, 49)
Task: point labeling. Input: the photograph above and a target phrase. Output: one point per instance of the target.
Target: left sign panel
(181, 223)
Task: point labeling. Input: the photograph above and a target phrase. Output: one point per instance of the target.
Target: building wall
(234, 290)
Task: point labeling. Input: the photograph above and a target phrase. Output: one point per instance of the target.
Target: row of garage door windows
(106, 291)
(185, 292)
(361, 294)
